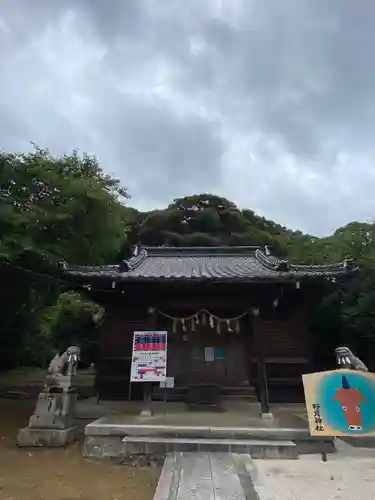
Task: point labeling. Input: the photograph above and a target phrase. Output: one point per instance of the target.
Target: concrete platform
(127, 448)
(172, 428)
(121, 442)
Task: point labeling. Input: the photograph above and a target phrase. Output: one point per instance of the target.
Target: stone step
(255, 448)
(129, 447)
(250, 398)
(243, 389)
(240, 393)
(238, 390)
(106, 427)
(103, 432)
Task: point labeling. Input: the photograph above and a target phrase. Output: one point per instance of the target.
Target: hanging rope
(199, 313)
(206, 318)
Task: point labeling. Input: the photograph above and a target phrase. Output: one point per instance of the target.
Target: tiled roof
(207, 263)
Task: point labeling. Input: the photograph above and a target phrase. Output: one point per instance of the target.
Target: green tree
(72, 320)
(50, 204)
(207, 219)
(51, 209)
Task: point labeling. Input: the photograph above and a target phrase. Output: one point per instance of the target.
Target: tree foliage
(51, 209)
(204, 220)
(47, 202)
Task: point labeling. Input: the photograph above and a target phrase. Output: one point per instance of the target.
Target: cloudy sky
(270, 103)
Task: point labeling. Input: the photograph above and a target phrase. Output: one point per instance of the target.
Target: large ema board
(149, 357)
(340, 403)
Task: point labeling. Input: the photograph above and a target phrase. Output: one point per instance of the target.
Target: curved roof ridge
(324, 267)
(137, 260)
(84, 268)
(236, 263)
(157, 251)
(271, 262)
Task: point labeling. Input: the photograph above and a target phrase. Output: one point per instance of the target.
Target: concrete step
(129, 447)
(240, 393)
(255, 448)
(106, 427)
(101, 433)
(238, 390)
(250, 398)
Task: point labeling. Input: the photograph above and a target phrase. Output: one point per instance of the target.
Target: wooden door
(207, 364)
(211, 358)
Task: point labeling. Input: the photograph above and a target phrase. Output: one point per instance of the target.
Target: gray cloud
(268, 103)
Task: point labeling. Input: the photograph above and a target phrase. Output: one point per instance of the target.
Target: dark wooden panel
(186, 362)
(286, 339)
(119, 330)
(119, 349)
(112, 381)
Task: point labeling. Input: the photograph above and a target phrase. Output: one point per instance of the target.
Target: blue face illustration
(347, 402)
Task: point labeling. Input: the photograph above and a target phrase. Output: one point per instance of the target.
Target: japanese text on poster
(149, 357)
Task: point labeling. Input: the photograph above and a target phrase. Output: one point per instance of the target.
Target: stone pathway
(347, 475)
(206, 476)
(340, 478)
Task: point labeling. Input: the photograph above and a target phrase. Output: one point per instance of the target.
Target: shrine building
(237, 319)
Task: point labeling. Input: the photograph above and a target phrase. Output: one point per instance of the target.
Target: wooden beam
(147, 386)
(261, 372)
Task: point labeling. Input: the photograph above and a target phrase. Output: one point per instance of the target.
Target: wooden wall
(112, 381)
(285, 333)
(288, 355)
(186, 358)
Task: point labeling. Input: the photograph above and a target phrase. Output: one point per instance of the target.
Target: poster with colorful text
(340, 403)
(149, 357)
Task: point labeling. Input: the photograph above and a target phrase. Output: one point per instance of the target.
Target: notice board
(149, 357)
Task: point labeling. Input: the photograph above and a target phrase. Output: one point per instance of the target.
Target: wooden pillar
(261, 368)
(147, 386)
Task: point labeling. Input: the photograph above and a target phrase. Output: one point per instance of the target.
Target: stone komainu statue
(346, 359)
(65, 363)
(63, 368)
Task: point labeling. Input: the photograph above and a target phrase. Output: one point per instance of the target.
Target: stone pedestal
(29, 437)
(53, 421)
(267, 416)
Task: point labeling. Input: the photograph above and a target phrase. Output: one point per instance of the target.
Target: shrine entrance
(212, 357)
(207, 364)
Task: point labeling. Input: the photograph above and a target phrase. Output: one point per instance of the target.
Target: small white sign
(168, 383)
(209, 354)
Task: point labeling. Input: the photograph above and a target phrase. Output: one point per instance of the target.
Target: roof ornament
(282, 265)
(267, 250)
(136, 250)
(124, 266)
(348, 264)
